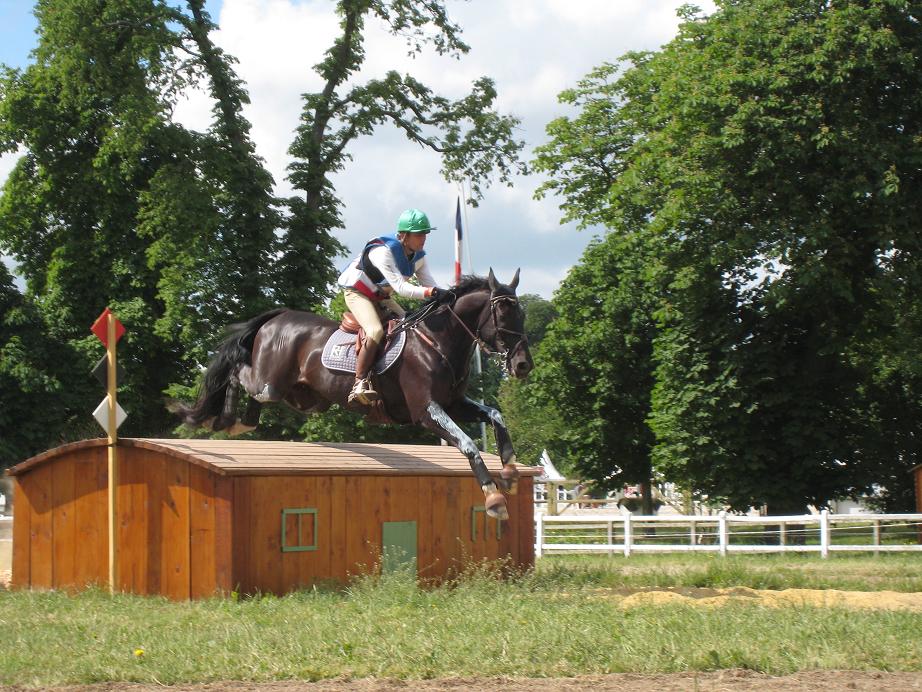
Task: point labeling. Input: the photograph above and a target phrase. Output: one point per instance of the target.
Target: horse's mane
(468, 284)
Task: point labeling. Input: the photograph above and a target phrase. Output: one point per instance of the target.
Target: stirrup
(363, 392)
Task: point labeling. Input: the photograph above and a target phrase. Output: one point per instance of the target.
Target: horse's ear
(515, 279)
(491, 278)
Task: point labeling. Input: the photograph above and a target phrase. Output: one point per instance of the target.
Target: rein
(417, 317)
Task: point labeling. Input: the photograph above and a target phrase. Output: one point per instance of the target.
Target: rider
(369, 282)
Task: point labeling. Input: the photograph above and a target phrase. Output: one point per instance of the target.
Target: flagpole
(478, 370)
(458, 236)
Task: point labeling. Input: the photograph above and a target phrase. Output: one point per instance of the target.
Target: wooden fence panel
(336, 533)
(133, 502)
(22, 536)
(243, 553)
(524, 554)
(203, 559)
(175, 532)
(38, 487)
(64, 529)
(224, 533)
(429, 554)
(91, 553)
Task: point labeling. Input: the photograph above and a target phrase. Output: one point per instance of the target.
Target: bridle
(414, 319)
(506, 352)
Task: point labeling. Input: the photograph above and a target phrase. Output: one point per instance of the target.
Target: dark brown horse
(276, 357)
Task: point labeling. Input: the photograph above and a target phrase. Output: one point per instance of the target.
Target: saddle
(341, 349)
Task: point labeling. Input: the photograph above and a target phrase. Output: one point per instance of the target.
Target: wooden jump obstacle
(199, 517)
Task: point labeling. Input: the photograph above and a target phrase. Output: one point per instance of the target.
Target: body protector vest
(366, 278)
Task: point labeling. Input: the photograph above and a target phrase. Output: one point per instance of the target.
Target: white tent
(550, 471)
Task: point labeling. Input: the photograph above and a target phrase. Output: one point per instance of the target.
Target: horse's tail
(236, 348)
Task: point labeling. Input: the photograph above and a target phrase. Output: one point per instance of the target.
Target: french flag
(458, 233)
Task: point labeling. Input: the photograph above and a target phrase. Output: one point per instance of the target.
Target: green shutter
(295, 542)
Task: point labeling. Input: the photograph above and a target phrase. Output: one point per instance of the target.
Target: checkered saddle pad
(339, 352)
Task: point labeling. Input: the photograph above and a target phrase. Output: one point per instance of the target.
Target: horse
(276, 357)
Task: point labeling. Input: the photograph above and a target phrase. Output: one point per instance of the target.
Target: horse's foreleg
(469, 410)
(441, 423)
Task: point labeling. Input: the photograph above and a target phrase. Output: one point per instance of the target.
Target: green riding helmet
(413, 221)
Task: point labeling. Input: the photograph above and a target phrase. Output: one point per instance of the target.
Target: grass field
(549, 623)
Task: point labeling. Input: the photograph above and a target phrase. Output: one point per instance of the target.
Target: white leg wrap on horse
(264, 395)
(465, 443)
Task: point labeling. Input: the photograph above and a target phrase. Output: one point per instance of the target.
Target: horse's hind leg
(441, 423)
(228, 415)
(471, 411)
(227, 420)
(249, 420)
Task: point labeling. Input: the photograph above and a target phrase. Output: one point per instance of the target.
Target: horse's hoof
(239, 428)
(496, 506)
(510, 478)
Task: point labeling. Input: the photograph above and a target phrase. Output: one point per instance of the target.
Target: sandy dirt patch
(871, 600)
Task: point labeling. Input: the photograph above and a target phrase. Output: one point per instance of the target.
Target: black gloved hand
(438, 294)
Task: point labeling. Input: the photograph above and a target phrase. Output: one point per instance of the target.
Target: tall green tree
(35, 407)
(472, 139)
(93, 123)
(210, 214)
(114, 204)
(533, 419)
(770, 153)
(593, 376)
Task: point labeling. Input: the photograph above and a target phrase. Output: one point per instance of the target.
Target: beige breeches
(368, 312)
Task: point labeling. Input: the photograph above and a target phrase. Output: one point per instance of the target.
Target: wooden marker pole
(113, 454)
(109, 415)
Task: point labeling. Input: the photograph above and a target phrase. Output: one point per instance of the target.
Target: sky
(533, 49)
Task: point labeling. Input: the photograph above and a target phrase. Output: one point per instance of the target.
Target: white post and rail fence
(723, 533)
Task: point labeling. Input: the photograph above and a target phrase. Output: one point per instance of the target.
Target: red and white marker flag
(458, 234)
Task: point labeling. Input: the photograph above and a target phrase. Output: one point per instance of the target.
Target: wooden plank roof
(259, 458)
